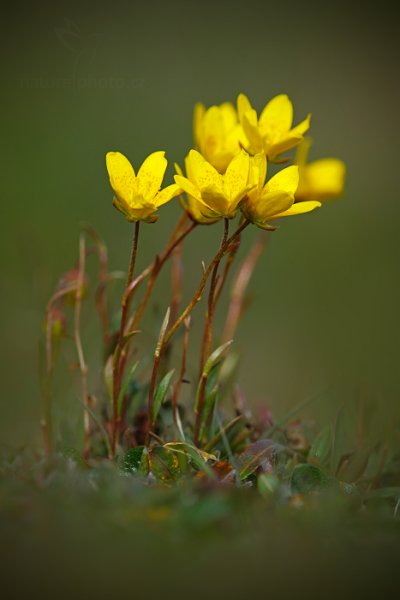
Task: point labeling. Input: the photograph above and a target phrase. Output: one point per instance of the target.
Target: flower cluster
(238, 167)
(227, 172)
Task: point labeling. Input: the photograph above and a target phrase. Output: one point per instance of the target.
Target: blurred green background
(81, 80)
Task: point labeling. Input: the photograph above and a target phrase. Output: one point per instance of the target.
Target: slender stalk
(100, 296)
(240, 284)
(200, 400)
(153, 380)
(46, 418)
(228, 265)
(207, 335)
(181, 222)
(149, 270)
(198, 408)
(79, 347)
(176, 280)
(198, 293)
(155, 271)
(182, 372)
(117, 371)
(133, 251)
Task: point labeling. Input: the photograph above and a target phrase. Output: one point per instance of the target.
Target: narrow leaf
(321, 447)
(125, 386)
(215, 357)
(160, 394)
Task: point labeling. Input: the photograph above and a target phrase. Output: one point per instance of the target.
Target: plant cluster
(139, 418)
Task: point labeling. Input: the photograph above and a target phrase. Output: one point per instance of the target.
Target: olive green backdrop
(79, 81)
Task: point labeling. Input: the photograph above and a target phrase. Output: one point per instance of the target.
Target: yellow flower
(321, 179)
(217, 133)
(216, 195)
(276, 198)
(138, 196)
(272, 133)
(193, 207)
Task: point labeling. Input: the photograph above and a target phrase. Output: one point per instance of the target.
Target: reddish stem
(207, 335)
(117, 371)
(239, 287)
(79, 347)
(198, 293)
(182, 372)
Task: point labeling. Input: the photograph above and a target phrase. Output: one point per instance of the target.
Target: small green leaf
(307, 478)
(160, 394)
(212, 379)
(126, 385)
(267, 484)
(228, 369)
(108, 376)
(164, 464)
(209, 403)
(255, 456)
(131, 334)
(226, 430)
(321, 447)
(353, 466)
(162, 333)
(215, 358)
(144, 466)
(132, 459)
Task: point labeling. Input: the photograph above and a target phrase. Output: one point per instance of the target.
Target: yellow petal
(299, 208)
(277, 116)
(196, 211)
(252, 132)
(122, 175)
(202, 173)
(213, 125)
(259, 169)
(219, 135)
(189, 174)
(178, 169)
(285, 143)
(121, 205)
(303, 151)
(229, 115)
(236, 177)
(302, 127)
(243, 105)
(187, 186)
(322, 180)
(151, 175)
(273, 203)
(285, 180)
(217, 202)
(198, 115)
(165, 195)
(249, 122)
(137, 213)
